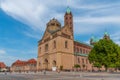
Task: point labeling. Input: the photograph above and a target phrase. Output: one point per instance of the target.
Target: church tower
(106, 36)
(68, 20)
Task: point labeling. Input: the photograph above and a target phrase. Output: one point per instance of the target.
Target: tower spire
(68, 10)
(68, 19)
(106, 35)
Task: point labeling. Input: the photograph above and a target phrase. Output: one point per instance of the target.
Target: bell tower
(106, 36)
(68, 19)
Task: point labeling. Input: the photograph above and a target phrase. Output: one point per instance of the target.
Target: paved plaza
(60, 76)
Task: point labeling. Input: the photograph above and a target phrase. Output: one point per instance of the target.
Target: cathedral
(58, 49)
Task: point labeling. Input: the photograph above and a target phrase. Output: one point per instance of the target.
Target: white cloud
(2, 51)
(32, 35)
(10, 59)
(99, 20)
(9, 56)
(26, 11)
(36, 13)
(116, 37)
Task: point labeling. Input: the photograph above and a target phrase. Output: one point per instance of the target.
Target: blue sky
(22, 23)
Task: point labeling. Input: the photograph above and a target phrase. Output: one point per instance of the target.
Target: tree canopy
(77, 66)
(105, 53)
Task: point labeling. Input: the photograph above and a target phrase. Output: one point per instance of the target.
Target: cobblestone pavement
(60, 76)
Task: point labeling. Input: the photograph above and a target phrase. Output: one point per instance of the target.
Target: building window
(86, 52)
(66, 18)
(86, 61)
(74, 49)
(66, 44)
(52, 24)
(83, 50)
(83, 61)
(80, 50)
(40, 49)
(78, 60)
(39, 64)
(54, 44)
(46, 47)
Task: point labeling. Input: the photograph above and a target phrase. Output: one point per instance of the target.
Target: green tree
(61, 67)
(105, 53)
(77, 66)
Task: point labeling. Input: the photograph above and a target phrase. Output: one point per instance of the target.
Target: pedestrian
(5, 73)
(44, 72)
(58, 71)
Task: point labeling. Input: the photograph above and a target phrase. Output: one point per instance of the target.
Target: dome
(54, 22)
(106, 33)
(68, 10)
(53, 25)
(94, 39)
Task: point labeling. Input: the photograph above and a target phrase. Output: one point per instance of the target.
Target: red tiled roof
(23, 63)
(32, 61)
(2, 65)
(19, 63)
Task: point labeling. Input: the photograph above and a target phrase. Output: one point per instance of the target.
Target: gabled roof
(83, 43)
(23, 63)
(2, 65)
(19, 63)
(31, 61)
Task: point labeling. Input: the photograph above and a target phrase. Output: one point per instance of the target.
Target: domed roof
(68, 10)
(53, 21)
(106, 33)
(94, 39)
(53, 25)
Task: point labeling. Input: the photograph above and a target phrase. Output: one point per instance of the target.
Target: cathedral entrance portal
(46, 64)
(54, 63)
(54, 68)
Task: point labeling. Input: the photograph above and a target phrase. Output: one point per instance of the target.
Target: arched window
(80, 50)
(40, 49)
(86, 61)
(39, 64)
(66, 44)
(54, 44)
(78, 60)
(83, 61)
(84, 51)
(66, 18)
(46, 47)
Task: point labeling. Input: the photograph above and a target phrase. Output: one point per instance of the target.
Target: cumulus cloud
(36, 13)
(88, 16)
(28, 12)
